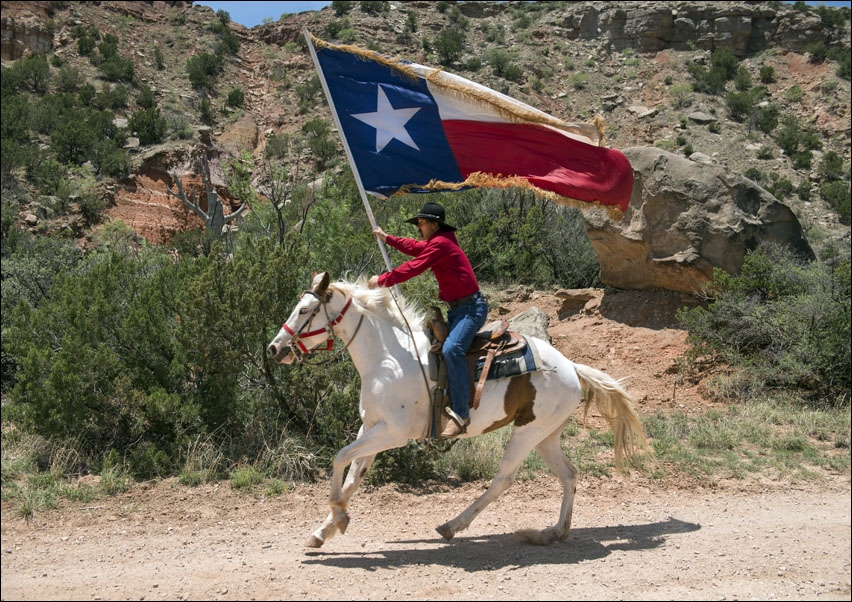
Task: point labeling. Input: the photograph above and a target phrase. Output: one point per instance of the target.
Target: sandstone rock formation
(745, 27)
(684, 220)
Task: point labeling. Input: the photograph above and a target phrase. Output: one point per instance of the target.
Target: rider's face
(426, 228)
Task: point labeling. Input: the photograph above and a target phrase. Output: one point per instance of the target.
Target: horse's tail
(614, 404)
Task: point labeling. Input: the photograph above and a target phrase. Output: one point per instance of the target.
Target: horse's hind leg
(519, 446)
(330, 527)
(551, 452)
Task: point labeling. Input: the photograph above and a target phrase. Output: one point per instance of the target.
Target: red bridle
(296, 337)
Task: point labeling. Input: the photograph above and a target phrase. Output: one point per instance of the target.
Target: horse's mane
(379, 301)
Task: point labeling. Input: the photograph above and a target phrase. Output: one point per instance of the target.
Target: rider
(439, 251)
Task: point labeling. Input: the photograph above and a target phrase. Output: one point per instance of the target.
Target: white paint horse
(389, 347)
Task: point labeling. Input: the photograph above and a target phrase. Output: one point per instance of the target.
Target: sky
(253, 13)
(250, 14)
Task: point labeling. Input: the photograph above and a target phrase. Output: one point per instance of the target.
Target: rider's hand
(373, 282)
(380, 234)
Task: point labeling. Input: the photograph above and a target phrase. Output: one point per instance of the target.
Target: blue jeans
(464, 322)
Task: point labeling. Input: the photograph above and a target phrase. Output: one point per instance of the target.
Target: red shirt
(441, 254)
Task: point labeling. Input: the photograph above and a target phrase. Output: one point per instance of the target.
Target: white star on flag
(389, 122)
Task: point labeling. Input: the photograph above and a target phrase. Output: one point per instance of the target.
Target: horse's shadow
(507, 551)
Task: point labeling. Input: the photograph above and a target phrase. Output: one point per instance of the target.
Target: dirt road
(630, 542)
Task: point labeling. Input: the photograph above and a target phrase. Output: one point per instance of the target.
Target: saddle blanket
(512, 364)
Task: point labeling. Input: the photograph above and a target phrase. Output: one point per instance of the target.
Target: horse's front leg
(360, 454)
(329, 528)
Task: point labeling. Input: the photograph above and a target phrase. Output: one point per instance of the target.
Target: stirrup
(456, 426)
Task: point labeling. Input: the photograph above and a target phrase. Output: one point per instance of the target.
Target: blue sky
(253, 13)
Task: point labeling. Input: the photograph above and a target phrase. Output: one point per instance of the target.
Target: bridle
(298, 348)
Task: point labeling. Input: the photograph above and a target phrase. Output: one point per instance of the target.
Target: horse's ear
(321, 282)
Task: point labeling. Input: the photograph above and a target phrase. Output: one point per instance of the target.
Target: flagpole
(352, 164)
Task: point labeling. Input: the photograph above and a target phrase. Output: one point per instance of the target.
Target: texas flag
(411, 128)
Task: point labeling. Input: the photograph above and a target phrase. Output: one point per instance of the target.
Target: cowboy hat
(434, 212)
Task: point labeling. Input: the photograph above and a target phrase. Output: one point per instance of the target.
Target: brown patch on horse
(517, 402)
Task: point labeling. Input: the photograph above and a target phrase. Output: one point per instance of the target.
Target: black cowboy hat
(434, 212)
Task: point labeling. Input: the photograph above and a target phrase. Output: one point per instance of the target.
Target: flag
(411, 128)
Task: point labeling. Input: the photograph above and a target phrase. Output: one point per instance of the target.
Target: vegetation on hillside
(134, 359)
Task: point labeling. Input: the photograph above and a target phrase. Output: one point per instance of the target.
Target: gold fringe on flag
(484, 180)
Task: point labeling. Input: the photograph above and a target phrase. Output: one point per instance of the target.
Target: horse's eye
(303, 311)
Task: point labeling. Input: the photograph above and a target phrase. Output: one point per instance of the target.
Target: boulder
(532, 322)
(684, 220)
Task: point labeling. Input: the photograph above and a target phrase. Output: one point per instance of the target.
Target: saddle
(493, 340)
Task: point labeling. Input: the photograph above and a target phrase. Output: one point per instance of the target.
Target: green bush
(766, 117)
(341, 7)
(374, 7)
(146, 98)
(236, 97)
(202, 70)
(837, 195)
(149, 126)
(740, 105)
(784, 323)
(159, 59)
(229, 44)
(831, 167)
(742, 80)
(449, 44)
(206, 113)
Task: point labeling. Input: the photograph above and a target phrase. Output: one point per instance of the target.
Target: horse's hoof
(445, 531)
(314, 542)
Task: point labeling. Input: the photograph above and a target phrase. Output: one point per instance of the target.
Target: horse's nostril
(273, 350)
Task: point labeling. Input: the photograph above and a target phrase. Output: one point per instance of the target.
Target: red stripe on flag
(544, 157)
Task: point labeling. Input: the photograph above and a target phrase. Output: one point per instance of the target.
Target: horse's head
(299, 335)
(309, 325)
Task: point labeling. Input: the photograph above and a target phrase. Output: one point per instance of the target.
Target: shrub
(742, 80)
(203, 69)
(765, 152)
(794, 94)
(341, 7)
(306, 93)
(837, 195)
(374, 7)
(767, 74)
(766, 118)
(726, 62)
(499, 60)
(753, 174)
(229, 44)
(236, 98)
(117, 69)
(206, 112)
(579, 81)
(449, 44)
(680, 94)
(159, 59)
(149, 126)
(513, 73)
(785, 323)
(146, 98)
(831, 167)
(740, 105)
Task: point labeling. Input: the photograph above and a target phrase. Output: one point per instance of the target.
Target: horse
(389, 347)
